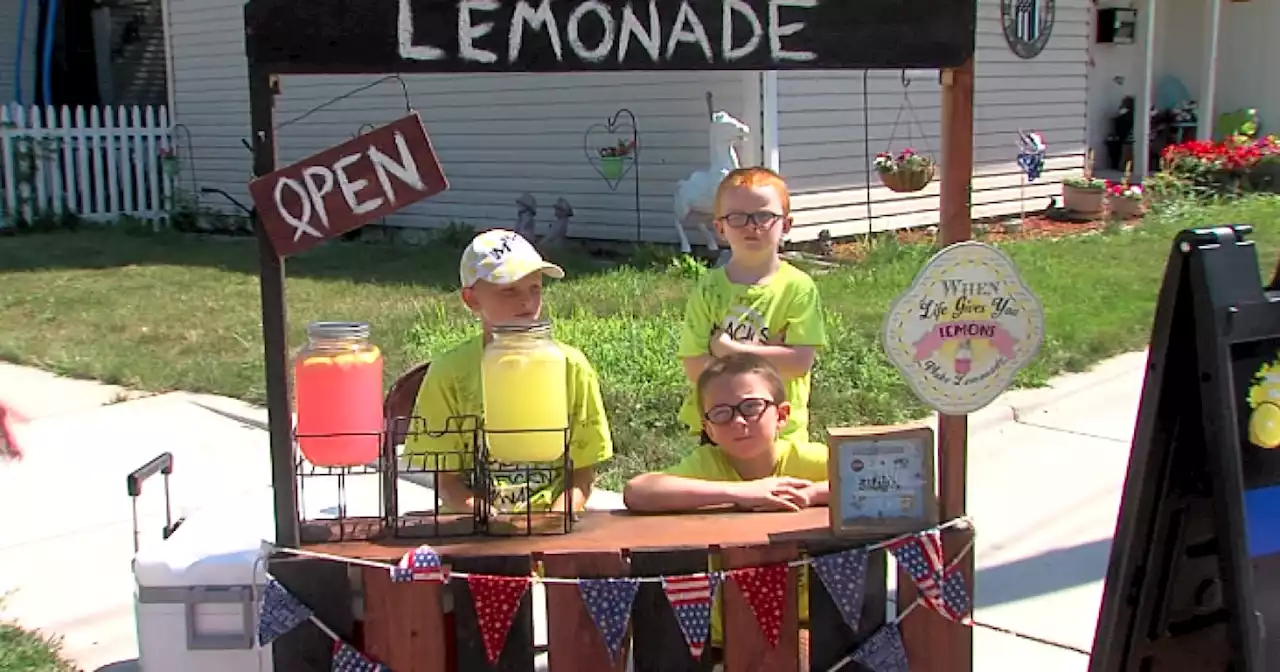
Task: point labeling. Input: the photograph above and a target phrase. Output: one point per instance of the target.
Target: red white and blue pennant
(691, 597)
(608, 601)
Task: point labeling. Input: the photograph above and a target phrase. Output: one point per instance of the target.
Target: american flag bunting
(765, 589)
(420, 564)
(943, 589)
(280, 612)
(496, 599)
(690, 598)
(845, 576)
(884, 651)
(347, 659)
(609, 603)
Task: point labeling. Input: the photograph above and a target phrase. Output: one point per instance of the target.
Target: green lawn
(165, 311)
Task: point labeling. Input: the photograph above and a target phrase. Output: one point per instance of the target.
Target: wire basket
(906, 180)
(502, 495)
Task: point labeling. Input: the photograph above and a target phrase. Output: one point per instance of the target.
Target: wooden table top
(618, 531)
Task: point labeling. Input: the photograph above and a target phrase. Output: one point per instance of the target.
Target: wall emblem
(1027, 25)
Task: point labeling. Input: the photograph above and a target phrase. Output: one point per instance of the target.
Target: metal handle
(162, 464)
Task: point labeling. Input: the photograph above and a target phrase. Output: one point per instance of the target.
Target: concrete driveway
(1045, 475)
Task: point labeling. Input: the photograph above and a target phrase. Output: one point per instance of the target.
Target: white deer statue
(695, 195)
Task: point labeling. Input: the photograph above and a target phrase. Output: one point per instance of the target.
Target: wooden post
(940, 645)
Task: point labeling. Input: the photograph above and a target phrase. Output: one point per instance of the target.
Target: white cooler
(194, 603)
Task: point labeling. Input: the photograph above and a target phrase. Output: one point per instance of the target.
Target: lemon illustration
(1264, 426)
(1264, 399)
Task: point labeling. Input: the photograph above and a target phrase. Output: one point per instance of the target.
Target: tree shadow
(1049, 572)
(433, 265)
(131, 665)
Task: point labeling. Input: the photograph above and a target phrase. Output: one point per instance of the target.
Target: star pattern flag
(884, 652)
(347, 659)
(609, 603)
(845, 575)
(765, 589)
(280, 612)
(420, 564)
(943, 589)
(496, 600)
(690, 598)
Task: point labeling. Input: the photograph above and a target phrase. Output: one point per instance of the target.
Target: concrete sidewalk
(1045, 474)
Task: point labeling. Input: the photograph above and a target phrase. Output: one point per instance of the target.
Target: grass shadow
(431, 266)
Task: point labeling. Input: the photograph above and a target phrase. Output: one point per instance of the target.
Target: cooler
(195, 600)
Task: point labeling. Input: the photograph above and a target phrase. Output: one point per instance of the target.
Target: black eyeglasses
(761, 219)
(749, 409)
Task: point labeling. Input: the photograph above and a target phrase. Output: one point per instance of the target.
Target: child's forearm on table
(664, 492)
(820, 493)
(583, 480)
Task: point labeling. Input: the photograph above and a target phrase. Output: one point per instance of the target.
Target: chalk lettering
(650, 39)
(301, 223)
(404, 35)
(777, 32)
(349, 187)
(740, 7)
(317, 192)
(695, 33)
(601, 50)
(406, 169)
(540, 19)
(469, 32)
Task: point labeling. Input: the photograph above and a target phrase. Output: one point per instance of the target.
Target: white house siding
(496, 135)
(823, 155)
(10, 11)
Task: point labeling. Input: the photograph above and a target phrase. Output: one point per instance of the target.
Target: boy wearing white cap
(501, 275)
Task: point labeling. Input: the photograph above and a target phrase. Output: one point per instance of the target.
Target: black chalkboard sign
(1194, 579)
(368, 36)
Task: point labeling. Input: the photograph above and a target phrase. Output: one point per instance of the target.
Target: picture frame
(882, 479)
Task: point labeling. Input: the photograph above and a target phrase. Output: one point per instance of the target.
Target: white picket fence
(98, 163)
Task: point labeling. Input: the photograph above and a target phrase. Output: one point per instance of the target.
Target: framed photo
(882, 479)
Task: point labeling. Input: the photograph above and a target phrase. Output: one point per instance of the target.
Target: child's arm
(695, 335)
(655, 492)
(583, 480)
(818, 494)
(791, 361)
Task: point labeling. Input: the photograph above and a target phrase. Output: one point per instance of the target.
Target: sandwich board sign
(1194, 577)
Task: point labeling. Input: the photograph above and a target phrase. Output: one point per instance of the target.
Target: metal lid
(338, 331)
(537, 327)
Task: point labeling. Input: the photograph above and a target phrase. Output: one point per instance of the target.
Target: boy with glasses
(756, 303)
(750, 465)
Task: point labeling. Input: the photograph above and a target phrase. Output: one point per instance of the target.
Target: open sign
(345, 187)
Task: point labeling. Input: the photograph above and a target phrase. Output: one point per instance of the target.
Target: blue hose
(51, 18)
(17, 61)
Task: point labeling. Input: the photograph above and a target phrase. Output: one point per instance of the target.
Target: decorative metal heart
(608, 135)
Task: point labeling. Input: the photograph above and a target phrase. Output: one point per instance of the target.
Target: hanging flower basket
(906, 172)
(611, 167)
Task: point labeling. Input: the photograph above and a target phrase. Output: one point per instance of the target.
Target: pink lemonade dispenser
(337, 387)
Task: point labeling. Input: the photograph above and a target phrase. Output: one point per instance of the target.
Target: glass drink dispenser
(337, 389)
(524, 380)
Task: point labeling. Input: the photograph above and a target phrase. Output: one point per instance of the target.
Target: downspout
(46, 65)
(17, 61)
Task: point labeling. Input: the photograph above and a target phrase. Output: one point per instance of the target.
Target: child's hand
(781, 493)
(722, 344)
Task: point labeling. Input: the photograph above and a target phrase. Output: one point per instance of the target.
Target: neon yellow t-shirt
(795, 459)
(451, 389)
(787, 303)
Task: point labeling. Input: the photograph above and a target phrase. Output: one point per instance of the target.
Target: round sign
(966, 325)
(1027, 25)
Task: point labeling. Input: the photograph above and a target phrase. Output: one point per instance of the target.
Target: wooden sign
(1194, 577)
(345, 187)
(340, 36)
(964, 328)
(882, 479)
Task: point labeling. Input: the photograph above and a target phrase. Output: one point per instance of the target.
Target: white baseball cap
(502, 257)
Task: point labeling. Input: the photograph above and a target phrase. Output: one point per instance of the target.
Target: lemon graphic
(1264, 399)
(1264, 426)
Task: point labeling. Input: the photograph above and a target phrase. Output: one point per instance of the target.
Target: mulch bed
(1034, 227)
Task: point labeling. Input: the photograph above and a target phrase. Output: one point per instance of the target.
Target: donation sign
(966, 325)
(345, 187)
